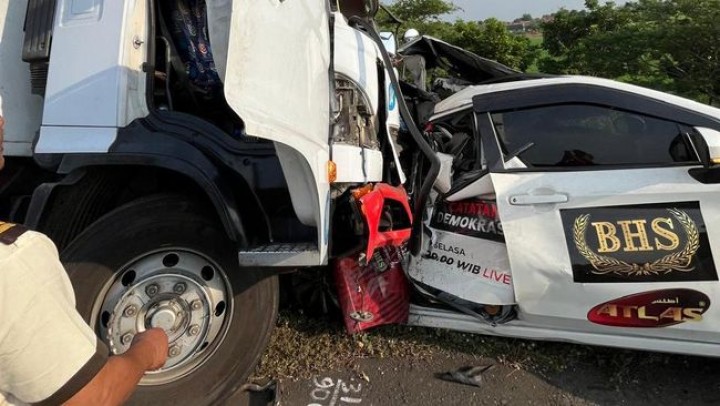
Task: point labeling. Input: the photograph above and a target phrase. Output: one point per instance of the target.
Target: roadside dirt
(318, 364)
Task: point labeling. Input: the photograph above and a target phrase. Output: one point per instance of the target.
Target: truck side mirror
(708, 145)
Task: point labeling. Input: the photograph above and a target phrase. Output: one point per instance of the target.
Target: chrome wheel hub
(179, 291)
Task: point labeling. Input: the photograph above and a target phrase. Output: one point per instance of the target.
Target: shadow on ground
(303, 347)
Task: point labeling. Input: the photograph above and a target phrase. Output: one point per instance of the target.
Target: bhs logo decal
(645, 243)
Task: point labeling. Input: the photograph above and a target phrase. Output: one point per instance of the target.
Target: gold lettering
(665, 233)
(674, 313)
(627, 311)
(692, 314)
(640, 234)
(610, 310)
(643, 316)
(606, 234)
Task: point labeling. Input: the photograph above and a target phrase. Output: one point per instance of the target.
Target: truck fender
(156, 150)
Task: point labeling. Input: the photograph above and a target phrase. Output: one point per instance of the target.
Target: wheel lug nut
(152, 290)
(126, 338)
(179, 288)
(194, 330)
(196, 305)
(130, 311)
(174, 351)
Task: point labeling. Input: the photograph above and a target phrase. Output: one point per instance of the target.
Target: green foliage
(671, 45)
(489, 38)
(421, 11)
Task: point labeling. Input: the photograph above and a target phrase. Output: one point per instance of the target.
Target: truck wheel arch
(85, 174)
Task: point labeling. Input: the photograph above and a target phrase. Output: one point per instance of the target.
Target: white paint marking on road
(321, 393)
(334, 398)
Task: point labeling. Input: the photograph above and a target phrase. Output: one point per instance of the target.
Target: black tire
(96, 256)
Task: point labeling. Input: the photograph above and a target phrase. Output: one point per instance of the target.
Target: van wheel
(163, 262)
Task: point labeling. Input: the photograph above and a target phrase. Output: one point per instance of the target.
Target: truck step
(290, 254)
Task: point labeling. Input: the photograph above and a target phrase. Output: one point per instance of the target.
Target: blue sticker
(392, 97)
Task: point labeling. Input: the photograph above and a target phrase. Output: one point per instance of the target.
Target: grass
(535, 38)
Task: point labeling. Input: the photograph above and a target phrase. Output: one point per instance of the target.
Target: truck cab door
(277, 80)
(277, 76)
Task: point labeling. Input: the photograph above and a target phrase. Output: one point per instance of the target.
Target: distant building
(518, 26)
(521, 26)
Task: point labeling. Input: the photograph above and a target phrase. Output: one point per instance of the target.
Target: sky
(508, 10)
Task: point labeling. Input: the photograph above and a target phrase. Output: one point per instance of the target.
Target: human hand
(151, 348)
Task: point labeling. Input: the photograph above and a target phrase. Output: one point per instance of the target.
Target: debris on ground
(257, 393)
(303, 346)
(468, 375)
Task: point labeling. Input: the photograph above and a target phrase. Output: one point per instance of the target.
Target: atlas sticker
(644, 243)
(473, 218)
(659, 308)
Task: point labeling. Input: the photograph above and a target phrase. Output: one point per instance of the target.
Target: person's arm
(48, 353)
(117, 380)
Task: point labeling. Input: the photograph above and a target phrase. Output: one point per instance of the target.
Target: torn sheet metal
(459, 62)
(466, 254)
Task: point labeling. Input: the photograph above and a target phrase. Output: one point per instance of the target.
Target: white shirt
(47, 351)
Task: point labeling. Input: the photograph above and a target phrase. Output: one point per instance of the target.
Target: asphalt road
(319, 364)
(372, 381)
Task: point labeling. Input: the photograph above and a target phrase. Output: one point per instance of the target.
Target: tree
(690, 42)
(489, 39)
(421, 11)
(671, 45)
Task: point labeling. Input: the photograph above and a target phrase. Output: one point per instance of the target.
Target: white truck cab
(182, 202)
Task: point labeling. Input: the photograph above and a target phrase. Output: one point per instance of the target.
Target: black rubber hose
(425, 147)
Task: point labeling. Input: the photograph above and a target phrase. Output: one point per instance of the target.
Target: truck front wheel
(163, 262)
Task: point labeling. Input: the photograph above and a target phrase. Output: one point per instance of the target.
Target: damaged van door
(464, 260)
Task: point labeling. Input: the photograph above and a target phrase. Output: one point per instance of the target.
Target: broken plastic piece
(253, 394)
(373, 205)
(466, 375)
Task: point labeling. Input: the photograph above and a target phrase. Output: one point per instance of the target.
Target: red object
(658, 308)
(375, 294)
(372, 205)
